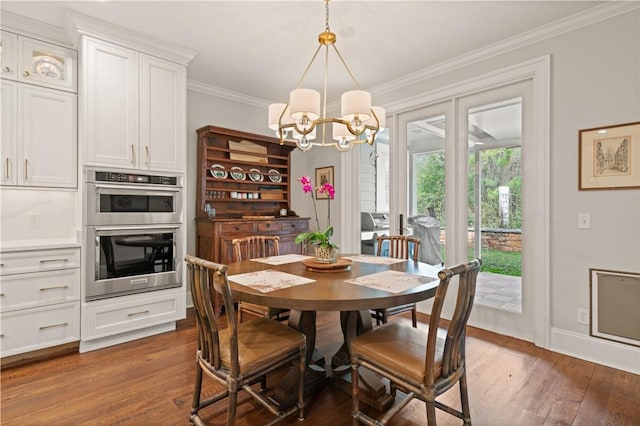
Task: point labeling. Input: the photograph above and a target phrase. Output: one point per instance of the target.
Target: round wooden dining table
(330, 291)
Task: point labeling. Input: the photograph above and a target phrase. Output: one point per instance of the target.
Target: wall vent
(615, 305)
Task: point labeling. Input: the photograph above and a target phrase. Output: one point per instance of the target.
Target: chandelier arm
(347, 67)
(304, 74)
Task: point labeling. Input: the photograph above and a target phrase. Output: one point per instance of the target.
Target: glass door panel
(495, 201)
(426, 178)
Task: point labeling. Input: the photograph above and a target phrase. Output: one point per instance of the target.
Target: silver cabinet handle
(53, 260)
(26, 73)
(26, 169)
(60, 287)
(135, 314)
(62, 324)
(7, 173)
(146, 152)
(133, 155)
(7, 68)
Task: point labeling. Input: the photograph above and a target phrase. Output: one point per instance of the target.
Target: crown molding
(78, 25)
(571, 23)
(229, 95)
(35, 29)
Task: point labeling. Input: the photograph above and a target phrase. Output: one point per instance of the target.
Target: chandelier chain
(326, 5)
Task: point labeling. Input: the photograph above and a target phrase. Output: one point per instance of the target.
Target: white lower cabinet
(108, 317)
(38, 328)
(40, 299)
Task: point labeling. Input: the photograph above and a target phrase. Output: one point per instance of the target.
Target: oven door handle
(137, 189)
(158, 228)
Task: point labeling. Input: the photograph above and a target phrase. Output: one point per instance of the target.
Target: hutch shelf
(245, 179)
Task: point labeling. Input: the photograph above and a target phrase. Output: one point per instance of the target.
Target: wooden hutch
(246, 178)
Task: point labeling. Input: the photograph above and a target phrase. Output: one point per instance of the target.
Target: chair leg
(414, 317)
(431, 413)
(239, 312)
(355, 402)
(464, 399)
(196, 390)
(302, 369)
(231, 412)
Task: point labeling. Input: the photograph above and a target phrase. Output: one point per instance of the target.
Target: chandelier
(359, 121)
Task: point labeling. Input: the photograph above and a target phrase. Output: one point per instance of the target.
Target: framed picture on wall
(609, 157)
(324, 175)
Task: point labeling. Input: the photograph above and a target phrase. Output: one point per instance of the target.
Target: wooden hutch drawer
(268, 227)
(236, 228)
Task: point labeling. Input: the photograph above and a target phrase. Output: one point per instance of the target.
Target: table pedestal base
(373, 391)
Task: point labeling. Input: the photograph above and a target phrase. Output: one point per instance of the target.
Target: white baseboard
(92, 345)
(611, 354)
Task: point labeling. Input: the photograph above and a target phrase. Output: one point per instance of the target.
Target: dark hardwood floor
(150, 382)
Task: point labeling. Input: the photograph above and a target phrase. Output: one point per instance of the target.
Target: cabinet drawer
(30, 329)
(115, 316)
(233, 228)
(269, 227)
(19, 262)
(21, 291)
(294, 226)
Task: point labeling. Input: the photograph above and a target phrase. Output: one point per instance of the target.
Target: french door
(464, 164)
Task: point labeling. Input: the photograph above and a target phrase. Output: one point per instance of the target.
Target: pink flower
(306, 184)
(328, 189)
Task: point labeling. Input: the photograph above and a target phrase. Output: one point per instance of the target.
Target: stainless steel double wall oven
(133, 233)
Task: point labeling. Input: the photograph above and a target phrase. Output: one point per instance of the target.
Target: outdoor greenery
(500, 262)
(499, 167)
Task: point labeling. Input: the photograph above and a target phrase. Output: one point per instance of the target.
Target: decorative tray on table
(340, 265)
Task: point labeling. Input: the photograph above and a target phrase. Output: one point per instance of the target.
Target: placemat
(391, 281)
(269, 280)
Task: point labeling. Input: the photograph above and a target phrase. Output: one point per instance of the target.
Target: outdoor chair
(239, 355)
(400, 247)
(253, 247)
(422, 364)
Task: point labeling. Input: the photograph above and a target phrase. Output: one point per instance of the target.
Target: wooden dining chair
(422, 364)
(253, 247)
(239, 355)
(400, 247)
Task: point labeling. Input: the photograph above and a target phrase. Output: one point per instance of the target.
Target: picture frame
(323, 175)
(615, 312)
(609, 157)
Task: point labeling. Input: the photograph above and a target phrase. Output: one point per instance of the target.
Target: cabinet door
(9, 132)
(47, 132)
(46, 64)
(9, 53)
(162, 114)
(110, 104)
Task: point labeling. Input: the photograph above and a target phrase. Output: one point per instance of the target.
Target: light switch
(584, 221)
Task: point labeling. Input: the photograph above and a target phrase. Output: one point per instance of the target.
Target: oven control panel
(118, 177)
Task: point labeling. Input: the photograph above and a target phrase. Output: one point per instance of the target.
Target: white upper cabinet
(32, 61)
(110, 104)
(9, 52)
(162, 113)
(9, 126)
(39, 136)
(134, 107)
(47, 137)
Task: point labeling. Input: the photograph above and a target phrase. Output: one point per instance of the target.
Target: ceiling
(260, 49)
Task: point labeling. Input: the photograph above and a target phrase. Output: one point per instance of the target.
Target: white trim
(92, 345)
(229, 95)
(612, 354)
(35, 29)
(571, 23)
(77, 24)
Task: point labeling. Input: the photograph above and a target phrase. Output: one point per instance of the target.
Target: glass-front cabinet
(32, 61)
